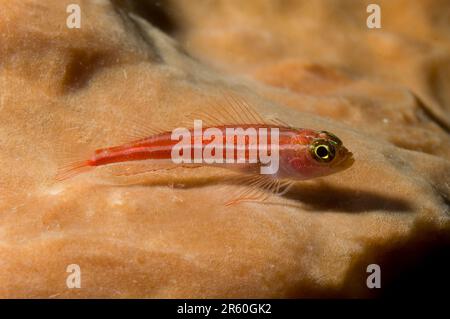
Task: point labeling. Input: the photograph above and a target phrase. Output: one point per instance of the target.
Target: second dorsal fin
(226, 109)
(229, 109)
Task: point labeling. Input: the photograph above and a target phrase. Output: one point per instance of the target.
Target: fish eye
(324, 152)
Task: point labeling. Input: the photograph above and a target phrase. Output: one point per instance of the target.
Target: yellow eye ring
(323, 152)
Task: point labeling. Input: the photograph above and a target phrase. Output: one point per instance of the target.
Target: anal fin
(144, 167)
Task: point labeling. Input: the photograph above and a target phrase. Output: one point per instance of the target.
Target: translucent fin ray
(71, 160)
(122, 170)
(138, 130)
(257, 188)
(230, 110)
(279, 122)
(72, 169)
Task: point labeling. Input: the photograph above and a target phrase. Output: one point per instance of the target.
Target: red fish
(301, 153)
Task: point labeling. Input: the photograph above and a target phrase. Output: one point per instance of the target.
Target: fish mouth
(346, 161)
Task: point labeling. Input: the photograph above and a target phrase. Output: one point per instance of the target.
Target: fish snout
(344, 159)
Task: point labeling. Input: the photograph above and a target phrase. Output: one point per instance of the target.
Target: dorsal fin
(138, 129)
(226, 109)
(278, 122)
(229, 109)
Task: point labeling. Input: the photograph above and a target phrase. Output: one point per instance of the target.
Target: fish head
(316, 154)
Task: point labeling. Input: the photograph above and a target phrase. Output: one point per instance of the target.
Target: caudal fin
(72, 169)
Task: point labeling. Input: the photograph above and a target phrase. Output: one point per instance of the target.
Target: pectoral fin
(258, 188)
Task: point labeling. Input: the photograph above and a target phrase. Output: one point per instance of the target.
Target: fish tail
(72, 169)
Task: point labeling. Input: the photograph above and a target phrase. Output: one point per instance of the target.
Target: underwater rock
(168, 234)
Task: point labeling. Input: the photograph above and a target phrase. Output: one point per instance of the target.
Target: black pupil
(322, 151)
